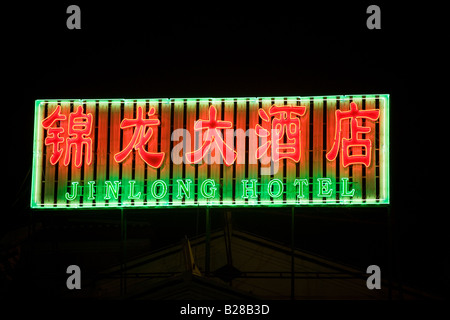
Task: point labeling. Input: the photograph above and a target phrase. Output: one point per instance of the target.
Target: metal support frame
(292, 275)
(207, 242)
(393, 264)
(292, 254)
(227, 235)
(123, 264)
(249, 275)
(389, 251)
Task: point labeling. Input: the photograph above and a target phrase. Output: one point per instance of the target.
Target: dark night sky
(133, 51)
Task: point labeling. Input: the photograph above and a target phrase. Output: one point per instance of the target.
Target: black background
(129, 50)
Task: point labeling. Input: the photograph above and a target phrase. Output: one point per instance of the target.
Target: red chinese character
(141, 136)
(212, 135)
(80, 127)
(53, 137)
(354, 141)
(285, 121)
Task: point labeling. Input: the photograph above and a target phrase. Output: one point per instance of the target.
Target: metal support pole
(31, 230)
(397, 262)
(389, 251)
(292, 255)
(227, 235)
(207, 242)
(197, 219)
(123, 265)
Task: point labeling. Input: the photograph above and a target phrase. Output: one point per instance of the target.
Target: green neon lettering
(184, 187)
(114, 189)
(246, 189)
(301, 183)
(203, 189)
(133, 195)
(72, 196)
(163, 189)
(91, 190)
(345, 192)
(324, 187)
(280, 188)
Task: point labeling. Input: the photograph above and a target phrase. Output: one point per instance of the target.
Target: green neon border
(208, 203)
(34, 178)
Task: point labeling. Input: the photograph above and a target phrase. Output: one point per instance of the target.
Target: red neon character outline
(212, 135)
(354, 141)
(53, 137)
(80, 127)
(141, 138)
(285, 121)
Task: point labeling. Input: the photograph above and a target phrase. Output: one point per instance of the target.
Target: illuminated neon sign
(271, 151)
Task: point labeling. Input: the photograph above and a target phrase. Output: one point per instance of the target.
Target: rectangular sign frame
(215, 152)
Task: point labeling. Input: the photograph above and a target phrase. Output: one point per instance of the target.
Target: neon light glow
(249, 189)
(284, 124)
(208, 192)
(133, 195)
(80, 128)
(141, 138)
(162, 189)
(345, 192)
(112, 188)
(53, 138)
(302, 183)
(354, 141)
(184, 186)
(232, 152)
(207, 188)
(324, 187)
(279, 185)
(91, 190)
(212, 126)
(74, 194)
